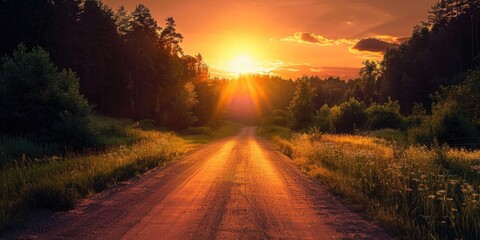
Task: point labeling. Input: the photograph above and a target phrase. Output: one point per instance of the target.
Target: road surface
(235, 188)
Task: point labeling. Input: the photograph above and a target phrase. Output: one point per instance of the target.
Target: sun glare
(243, 64)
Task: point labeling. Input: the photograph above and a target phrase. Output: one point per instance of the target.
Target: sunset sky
(288, 37)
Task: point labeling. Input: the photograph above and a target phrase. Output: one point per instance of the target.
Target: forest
(425, 89)
(128, 65)
(92, 96)
(124, 63)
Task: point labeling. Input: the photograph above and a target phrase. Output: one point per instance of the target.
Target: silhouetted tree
(302, 107)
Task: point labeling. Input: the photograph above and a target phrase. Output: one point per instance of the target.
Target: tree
(369, 74)
(302, 106)
(170, 39)
(100, 51)
(352, 116)
(386, 115)
(181, 115)
(41, 102)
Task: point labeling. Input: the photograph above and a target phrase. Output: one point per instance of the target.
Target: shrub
(41, 102)
(449, 125)
(278, 117)
(352, 115)
(385, 116)
(323, 119)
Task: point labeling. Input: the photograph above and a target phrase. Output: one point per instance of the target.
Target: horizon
(288, 39)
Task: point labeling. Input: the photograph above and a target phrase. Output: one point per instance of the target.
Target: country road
(234, 188)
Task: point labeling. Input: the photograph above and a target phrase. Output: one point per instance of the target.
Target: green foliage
(181, 115)
(48, 182)
(302, 107)
(352, 115)
(323, 119)
(449, 125)
(418, 116)
(278, 117)
(41, 102)
(389, 134)
(436, 53)
(207, 134)
(369, 74)
(270, 131)
(386, 115)
(111, 132)
(454, 116)
(416, 192)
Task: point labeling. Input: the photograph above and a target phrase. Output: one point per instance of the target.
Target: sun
(243, 64)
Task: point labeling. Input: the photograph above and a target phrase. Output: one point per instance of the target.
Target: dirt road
(235, 188)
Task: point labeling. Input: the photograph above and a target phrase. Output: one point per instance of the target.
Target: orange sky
(287, 37)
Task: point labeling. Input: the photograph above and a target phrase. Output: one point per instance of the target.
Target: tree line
(128, 65)
(427, 88)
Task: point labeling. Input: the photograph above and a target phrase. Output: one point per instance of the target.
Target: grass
(418, 192)
(201, 135)
(389, 134)
(268, 131)
(111, 132)
(57, 182)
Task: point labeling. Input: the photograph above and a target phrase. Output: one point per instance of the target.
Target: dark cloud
(373, 45)
(307, 37)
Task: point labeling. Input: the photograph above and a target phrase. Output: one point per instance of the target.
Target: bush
(352, 115)
(323, 119)
(40, 102)
(278, 117)
(385, 116)
(199, 131)
(448, 124)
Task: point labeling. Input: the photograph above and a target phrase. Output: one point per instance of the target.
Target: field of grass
(418, 192)
(58, 181)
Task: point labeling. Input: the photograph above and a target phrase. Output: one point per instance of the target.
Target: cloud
(311, 38)
(374, 45)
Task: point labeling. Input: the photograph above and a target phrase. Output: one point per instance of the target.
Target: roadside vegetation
(54, 150)
(403, 140)
(40, 176)
(418, 192)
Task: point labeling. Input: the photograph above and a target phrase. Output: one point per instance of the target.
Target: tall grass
(37, 176)
(419, 192)
(58, 182)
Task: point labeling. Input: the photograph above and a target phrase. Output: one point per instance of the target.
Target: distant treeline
(428, 87)
(127, 64)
